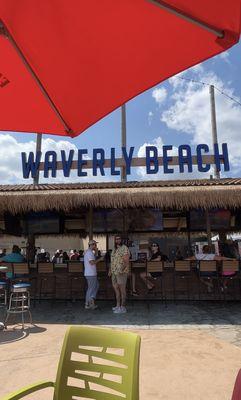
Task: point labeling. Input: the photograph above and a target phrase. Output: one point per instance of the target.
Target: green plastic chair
(95, 363)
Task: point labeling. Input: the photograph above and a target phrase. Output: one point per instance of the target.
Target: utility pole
(214, 125)
(38, 148)
(123, 139)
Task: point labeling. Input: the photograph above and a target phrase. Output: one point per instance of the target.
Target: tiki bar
(179, 217)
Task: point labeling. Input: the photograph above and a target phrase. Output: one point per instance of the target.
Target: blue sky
(174, 112)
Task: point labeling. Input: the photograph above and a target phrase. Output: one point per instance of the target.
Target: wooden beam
(136, 162)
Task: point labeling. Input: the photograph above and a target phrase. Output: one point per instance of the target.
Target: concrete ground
(189, 351)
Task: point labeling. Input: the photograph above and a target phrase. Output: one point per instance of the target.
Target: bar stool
(19, 302)
(155, 268)
(47, 277)
(182, 270)
(208, 269)
(3, 287)
(76, 279)
(3, 293)
(102, 278)
(230, 274)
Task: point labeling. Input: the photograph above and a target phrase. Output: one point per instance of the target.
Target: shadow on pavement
(141, 314)
(16, 333)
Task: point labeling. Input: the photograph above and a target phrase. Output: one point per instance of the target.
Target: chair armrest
(27, 390)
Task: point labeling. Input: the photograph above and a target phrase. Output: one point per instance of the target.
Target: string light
(209, 84)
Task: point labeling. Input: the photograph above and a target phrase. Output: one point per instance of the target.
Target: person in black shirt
(156, 255)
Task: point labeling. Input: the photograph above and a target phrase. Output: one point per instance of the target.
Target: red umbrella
(67, 63)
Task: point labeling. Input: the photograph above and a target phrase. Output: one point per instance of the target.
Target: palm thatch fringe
(184, 198)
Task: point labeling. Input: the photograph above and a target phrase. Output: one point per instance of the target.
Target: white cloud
(158, 142)
(150, 117)
(11, 164)
(224, 56)
(160, 95)
(190, 113)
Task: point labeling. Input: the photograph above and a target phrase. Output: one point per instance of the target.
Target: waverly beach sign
(81, 161)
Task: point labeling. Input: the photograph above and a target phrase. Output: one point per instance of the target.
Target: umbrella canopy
(67, 63)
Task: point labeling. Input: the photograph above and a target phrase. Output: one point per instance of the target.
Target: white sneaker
(92, 305)
(87, 306)
(115, 308)
(120, 310)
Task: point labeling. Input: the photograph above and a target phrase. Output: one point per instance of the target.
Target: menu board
(136, 220)
(219, 219)
(43, 222)
(146, 219)
(109, 220)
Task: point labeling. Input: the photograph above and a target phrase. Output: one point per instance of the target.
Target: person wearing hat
(41, 257)
(90, 273)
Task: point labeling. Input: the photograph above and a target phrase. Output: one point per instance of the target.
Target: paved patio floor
(189, 351)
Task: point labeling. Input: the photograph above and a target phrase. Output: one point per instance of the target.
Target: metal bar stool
(19, 302)
(21, 274)
(3, 287)
(3, 293)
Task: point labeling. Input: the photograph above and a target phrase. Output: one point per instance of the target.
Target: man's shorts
(119, 279)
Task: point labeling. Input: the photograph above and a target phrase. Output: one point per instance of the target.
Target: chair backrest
(237, 387)
(60, 265)
(9, 267)
(230, 266)
(182, 266)
(20, 268)
(45, 268)
(98, 363)
(154, 266)
(168, 264)
(75, 267)
(101, 266)
(208, 266)
(138, 264)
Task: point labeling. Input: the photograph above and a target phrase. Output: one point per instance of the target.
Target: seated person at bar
(73, 255)
(206, 277)
(14, 257)
(65, 257)
(3, 253)
(156, 255)
(42, 256)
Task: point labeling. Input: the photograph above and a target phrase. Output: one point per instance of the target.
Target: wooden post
(189, 234)
(90, 223)
(214, 125)
(208, 225)
(123, 138)
(38, 148)
(30, 249)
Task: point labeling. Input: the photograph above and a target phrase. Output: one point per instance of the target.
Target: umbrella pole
(123, 140)
(38, 148)
(189, 18)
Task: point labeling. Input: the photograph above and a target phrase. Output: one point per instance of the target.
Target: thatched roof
(223, 193)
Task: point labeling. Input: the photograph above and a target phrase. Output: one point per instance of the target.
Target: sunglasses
(154, 245)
